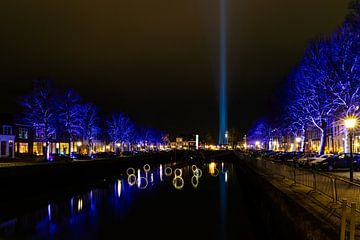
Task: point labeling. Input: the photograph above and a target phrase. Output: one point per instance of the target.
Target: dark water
(204, 201)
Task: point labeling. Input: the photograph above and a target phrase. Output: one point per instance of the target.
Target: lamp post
(350, 124)
(117, 149)
(78, 146)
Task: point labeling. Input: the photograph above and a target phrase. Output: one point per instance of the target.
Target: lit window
(23, 133)
(38, 148)
(39, 133)
(23, 147)
(7, 130)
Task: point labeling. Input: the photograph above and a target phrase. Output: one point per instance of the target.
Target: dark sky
(158, 60)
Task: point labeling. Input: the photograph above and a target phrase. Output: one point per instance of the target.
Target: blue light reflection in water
(119, 204)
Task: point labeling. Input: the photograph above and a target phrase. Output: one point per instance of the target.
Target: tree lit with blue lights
(325, 86)
(54, 116)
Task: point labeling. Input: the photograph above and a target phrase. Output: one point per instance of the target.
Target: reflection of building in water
(49, 211)
(212, 167)
(80, 204)
(161, 173)
(119, 186)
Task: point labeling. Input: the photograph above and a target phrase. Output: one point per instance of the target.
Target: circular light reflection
(168, 171)
(146, 167)
(176, 182)
(195, 181)
(178, 172)
(130, 173)
(198, 173)
(140, 186)
(131, 179)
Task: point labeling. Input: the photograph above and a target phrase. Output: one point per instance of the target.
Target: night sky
(158, 60)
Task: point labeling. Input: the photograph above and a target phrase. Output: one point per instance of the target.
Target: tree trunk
(302, 143)
(46, 132)
(47, 152)
(70, 140)
(270, 144)
(323, 138)
(90, 148)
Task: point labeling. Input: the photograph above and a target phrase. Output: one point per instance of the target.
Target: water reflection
(79, 205)
(161, 172)
(168, 171)
(119, 184)
(197, 173)
(118, 194)
(141, 178)
(49, 211)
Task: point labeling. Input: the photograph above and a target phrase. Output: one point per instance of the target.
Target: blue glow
(223, 205)
(49, 211)
(223, 76)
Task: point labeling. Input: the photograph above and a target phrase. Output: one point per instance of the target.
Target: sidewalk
(314, 195)
(346, 175)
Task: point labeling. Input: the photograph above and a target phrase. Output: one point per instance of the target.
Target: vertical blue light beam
(223, 75)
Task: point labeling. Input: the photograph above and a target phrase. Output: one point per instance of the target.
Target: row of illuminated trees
(324, 87)
(66, 114)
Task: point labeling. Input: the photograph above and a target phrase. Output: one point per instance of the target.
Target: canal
(162, 201)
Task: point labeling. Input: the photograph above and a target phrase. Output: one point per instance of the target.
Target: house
(336, 140)
(7, 138)
(23, 139)
(186, 142)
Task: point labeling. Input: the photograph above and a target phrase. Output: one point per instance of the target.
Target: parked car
(291, 157)
(318, 159)
(304, 159)
(341, 161)
(79, 156)
(58, 158)
(286, 156)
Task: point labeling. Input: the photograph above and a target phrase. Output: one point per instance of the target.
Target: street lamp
(257, 144)
(79, 145)
(117, 150)
(350, 124)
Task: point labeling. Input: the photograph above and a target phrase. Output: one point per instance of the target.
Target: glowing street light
(78, 144)
(257, 144)
(350, 124)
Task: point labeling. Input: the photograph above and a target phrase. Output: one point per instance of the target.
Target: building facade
(7, 140)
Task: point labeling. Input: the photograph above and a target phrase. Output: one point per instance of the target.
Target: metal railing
(332, 186)
(335, 188)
